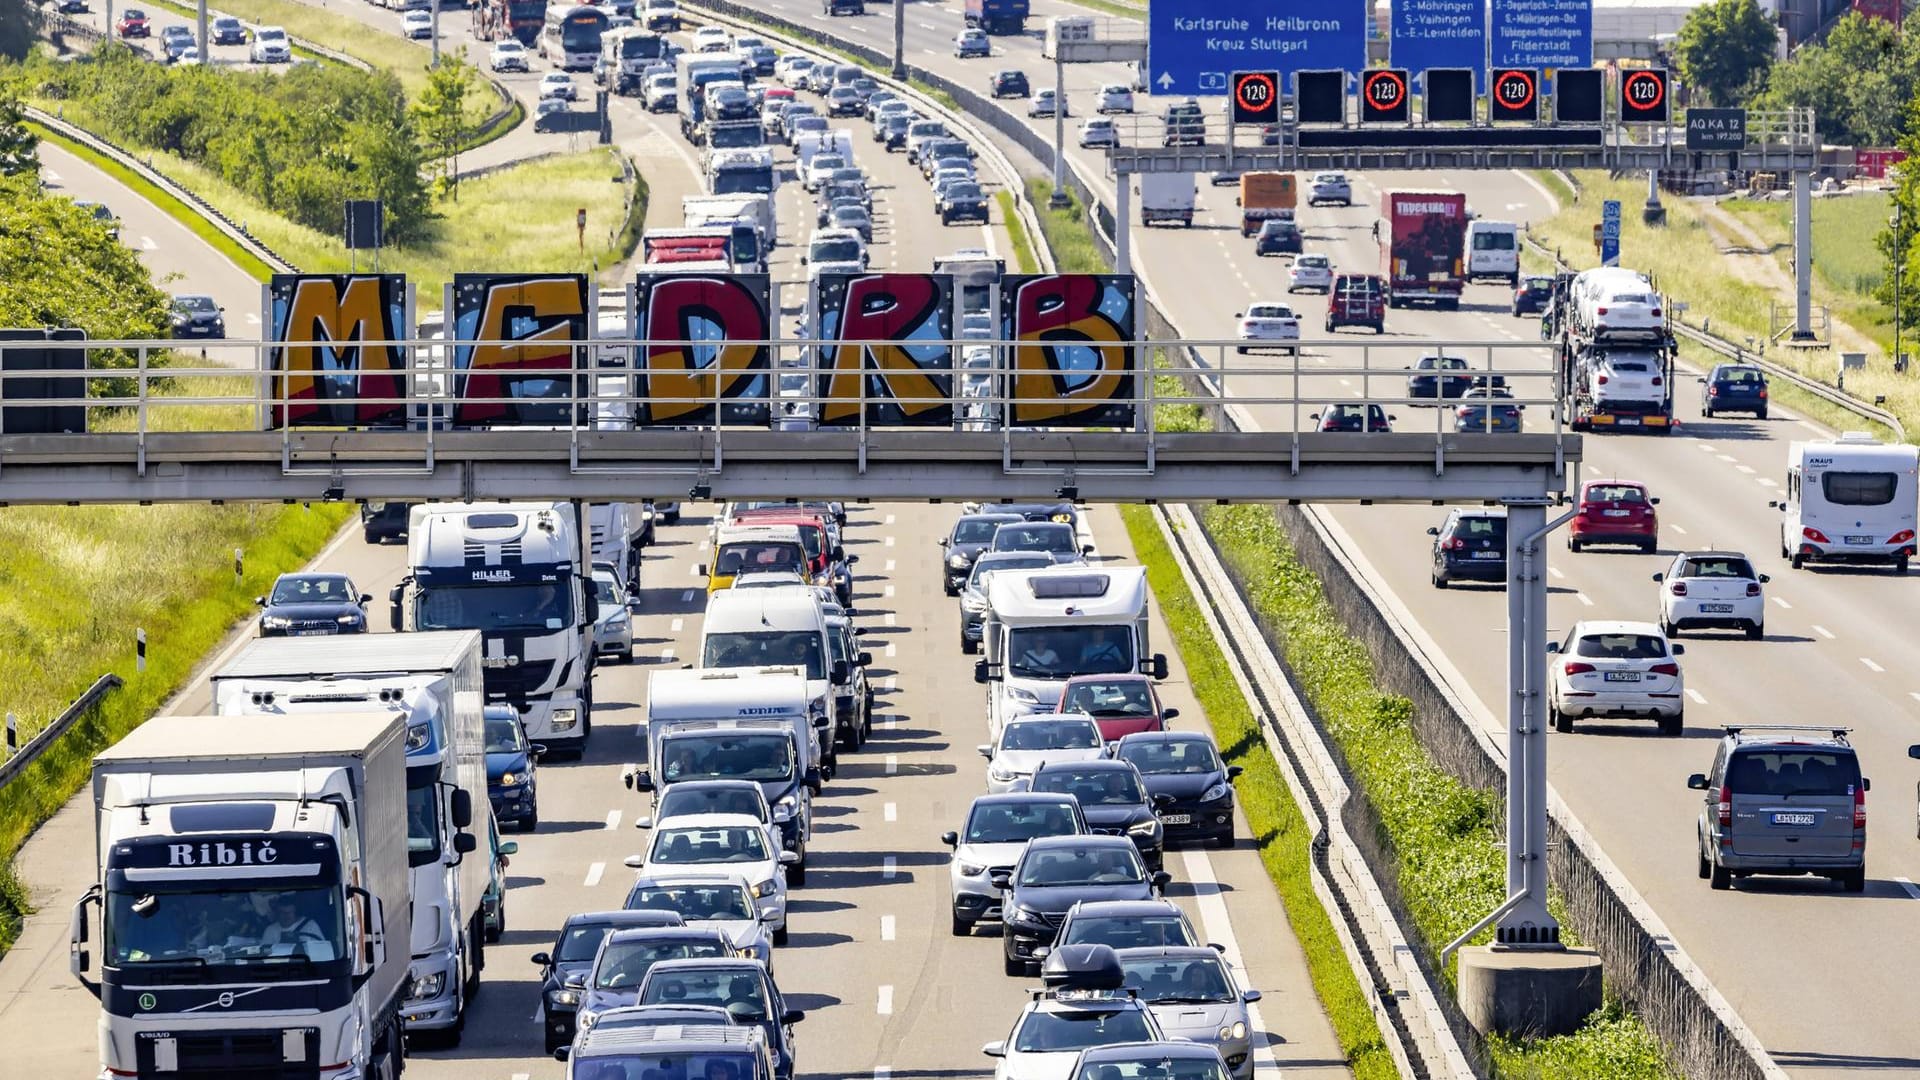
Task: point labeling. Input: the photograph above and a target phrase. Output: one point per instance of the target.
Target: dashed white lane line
(884, 1004)
(889, 868)
(687, 597)
(1555, 571)
(593, 874)
(882, 1072)
(887, 928)
(677, 625)
(1823, 631)
(888, 542)
(252, 319)
(1218, 927)
(666, 655)
(889, 722)
(693, 569)
(890, 566)
(888, 520)
(887, 593)
(887, 683)
(50, 176)
(893, 648)
(1728, 458)
(1765, 481)
(1748, 469)
(890, 812)
(1912, 890)
(1871, 666)
(1707, 447)
(146, 243)
(891, 616)
(1696, 696)
(1782, 601)
(613, 819)
(893, 767)
(523, 1076)
(1914, 694)
(1582, 597)
(1678, 529)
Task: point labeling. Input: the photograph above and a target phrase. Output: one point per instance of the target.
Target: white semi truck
(252, 887)
(432, 681)
(514, 572)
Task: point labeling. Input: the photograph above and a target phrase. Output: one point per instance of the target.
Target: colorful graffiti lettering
(1072, 361)
(889, 349)
(325, 329)
(545, 316)
(700, 328)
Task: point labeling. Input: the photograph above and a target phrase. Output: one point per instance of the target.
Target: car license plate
(1797, 820)
(1176, 819)
(307, 633)
(1615, 513)
(1862, 540)
(1486, 554)
(1716, 609)
(1621, 676)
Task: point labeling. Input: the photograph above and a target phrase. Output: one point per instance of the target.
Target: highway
(887, 994)
(1795, 957)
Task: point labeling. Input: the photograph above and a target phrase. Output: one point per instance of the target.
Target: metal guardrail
(13, 766)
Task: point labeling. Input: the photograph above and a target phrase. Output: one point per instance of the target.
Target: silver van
(1783, 799)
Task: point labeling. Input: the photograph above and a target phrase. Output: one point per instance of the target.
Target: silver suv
(1783, 799)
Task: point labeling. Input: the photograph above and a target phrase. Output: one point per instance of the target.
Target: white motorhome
(432, 681)
(782, 626)
(1044, 627)
(511, 571)
(1851, 499)
(618, 532)
(1493, 251)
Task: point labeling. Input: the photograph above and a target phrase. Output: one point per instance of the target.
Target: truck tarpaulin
(1426, 251)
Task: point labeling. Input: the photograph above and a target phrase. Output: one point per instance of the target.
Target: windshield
(201, 304)
(546, 606)
(1716, 566)
(1782, 773)
(623, 964)
(423, 816)
(1621, 647)
(1069, 1032)
(695, 1065)
(1129, 932)
(757, 180)
(1269, 311)
(728, 844)
(1171, 756)
(748, 557)
(1193, 982)
(1050, 735)
(1119, 697)
(694, 903)
(270, 33)
(1053, 652)
(831, 251)
(1067, 867)
(503, 735)
(225, 926)
(312, 590)
(639, 47)
(580, 941)
(1102, 787)
(800, 648)
(604, 588)
(1858, 488)
(977, 581)
(964, 190)
(1181, 1068)
(731, 757)
(1011, 823)
(1493, 241)
(734, 989)
(1617, 493)
(680, 800)
(1036, 537)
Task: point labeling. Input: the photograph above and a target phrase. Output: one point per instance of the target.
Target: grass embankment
(520, 218)
(1688, 265)
(1847, 265)
(1023, 256)
(1067, 231)
(174, 208)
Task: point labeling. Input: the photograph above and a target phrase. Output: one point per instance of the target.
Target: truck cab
(1044, 627)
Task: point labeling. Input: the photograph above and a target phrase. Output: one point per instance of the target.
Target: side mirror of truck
(464, 842)
(813, 781)
(591, 605)
(462, 808)
(394, 597)
(79, 960)
(643, 781)
(980, 671)
(1159, 665)
(701, 569)
(842, 671)
(866, 659)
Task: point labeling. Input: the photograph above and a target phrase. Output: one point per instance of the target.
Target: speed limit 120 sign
(1515, 95)
(1643, 96)
(1383, 96)
(1256, 97)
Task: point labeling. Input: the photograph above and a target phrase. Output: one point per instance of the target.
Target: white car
(417, 24)
(1268, 324)
(792, 68)
(1031, 741)
(558, 84)
(1616, 669)
(1329, 187)
(1314, 272)
(710, 39)
(1052, 1031)
(508, 55)
(271, 46)
(1043, 104)
(189, 57)
(662, 93)
(1115, 98)
(1712, 590)
(728, 843)
(820, 168)
(710, 900)
(1098, 132)
(995, 835)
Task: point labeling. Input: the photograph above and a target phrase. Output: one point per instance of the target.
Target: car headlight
(1025, 696)
(275, 622)
(973, 601)
(418, 736)
(786, 807)
(427, 987)
(1003, 775)
(1234, 1031)
(1026, 915)
(565, 718)
(1145, 828)
(1215, 793)
(586, 1021)
(765, 888)
(510, 779)
(968, 869)
(348, 620)
(566, 997)
(956, 560)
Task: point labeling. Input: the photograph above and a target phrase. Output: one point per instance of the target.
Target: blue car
(1734, 388)
(510, 769)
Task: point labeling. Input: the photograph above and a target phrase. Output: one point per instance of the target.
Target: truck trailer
(997, 16)
(1425, 254)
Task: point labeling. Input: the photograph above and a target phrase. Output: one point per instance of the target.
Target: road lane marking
(678, 625)
(887, 593)
(1782, 601)
(891, 811)
(594, 872)
(147, 243)
(893, 767)
(1823, 631)
(887, 683)
(1218, 927)
(888, 520)
(889, 722)
(1871, 666)
(1555, 571)
(885, 1003)
(613, 819)
(890, 615)
(1708, 448)
(666, 654)
(893, 648)
(1765, 481)
(1912, 889)
(1728, 458)
(886, 928)
(1678, 529)
(1748, 469)
(889, 868)
(890, 566)
(1695, 696)
(51, 176)
(888, 541)
(1582, 597)
(693, 569)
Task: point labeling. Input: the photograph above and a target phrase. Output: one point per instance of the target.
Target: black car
(382, 521)
(963, 202)
(742, 986)
(971, 535)
(1009, 84)
(1114, 798)
(1734, 388)
(1184, 767)
(1057, 872)
(1278, 236)
(1531, 295)
(1470, 546)
(510, 769)
(895, 137)
(563, 972)
(302, 604)
(1427, 382)
(194, 315)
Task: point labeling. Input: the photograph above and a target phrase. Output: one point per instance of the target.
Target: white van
(1043, 627)
(757, 628)
(1493, 251)
(1850, 500)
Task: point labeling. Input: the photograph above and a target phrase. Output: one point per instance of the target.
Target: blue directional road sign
(1542, 34)
(1440, 34)
(1193, 47)
(1610, 233)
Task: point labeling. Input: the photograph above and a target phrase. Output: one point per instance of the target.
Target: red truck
(1425, 254)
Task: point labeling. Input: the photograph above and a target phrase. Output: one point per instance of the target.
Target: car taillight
(1655, 313)
(1666, 669)
(1456, 544)
(1900, 537)
(1679, 588)
(1753, 588)
(1577, 669)
(1725, 807)
(1656, 380)
(1603, 380)
(1763, 392)
(1713, 391)
(1600, 311)
(1815, 535)
(1859, 806)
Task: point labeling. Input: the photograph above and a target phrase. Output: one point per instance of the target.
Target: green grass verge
(1847, 265)
(1280, 831)
(185, 214)
(521, 217)
(1125, 11)
(512, 118)
(629, 239)
(1066, 231)
(1023, 255)
(1550, 179)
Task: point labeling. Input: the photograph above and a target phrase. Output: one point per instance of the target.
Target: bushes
(303, 140)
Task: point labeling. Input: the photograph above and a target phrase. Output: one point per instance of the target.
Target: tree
(1857, 82)
(440, 115)
(1725, 50)
(1899, 242)
(17, 144)
(19, 28)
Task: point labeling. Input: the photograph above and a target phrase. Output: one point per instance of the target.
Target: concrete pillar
(1526, 921)
(1803, 255)
(900, 39)
(1123, 224)
(1527, 993)
(205, 56)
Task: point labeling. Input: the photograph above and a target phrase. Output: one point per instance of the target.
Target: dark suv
(1734, 388)
(1783, 799)
(1471, 546)
(1357, 300)
(1008, 84)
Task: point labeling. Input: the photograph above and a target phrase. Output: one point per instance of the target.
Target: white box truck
(1167, 198)
(433, 682)
(252, 888)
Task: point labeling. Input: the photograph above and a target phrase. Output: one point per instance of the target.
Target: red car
(1615, 512)
(133, 24)
(1357, 300)
(1119, 704)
